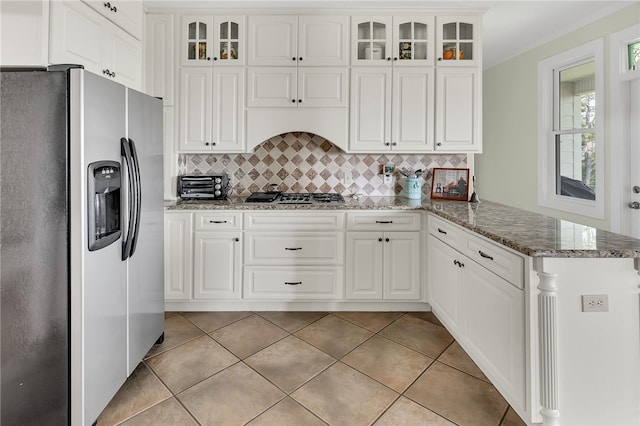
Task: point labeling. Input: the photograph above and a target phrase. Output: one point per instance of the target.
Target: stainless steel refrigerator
(81, 241)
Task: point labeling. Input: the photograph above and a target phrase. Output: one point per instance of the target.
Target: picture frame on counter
(450, 184)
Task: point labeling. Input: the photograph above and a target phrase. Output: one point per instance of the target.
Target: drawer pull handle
(485, 255)
(384, 221)
(458, 264)
(293, 283)
(442, 232)
(217, 221)
(293, 248)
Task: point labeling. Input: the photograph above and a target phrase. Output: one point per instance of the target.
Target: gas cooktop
(277, 197)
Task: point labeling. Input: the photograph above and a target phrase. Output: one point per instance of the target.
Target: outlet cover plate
(595, 303)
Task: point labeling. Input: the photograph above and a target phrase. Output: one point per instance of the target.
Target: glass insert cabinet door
(458, 41)
(372, 40)
(207, 40)
(413, 41)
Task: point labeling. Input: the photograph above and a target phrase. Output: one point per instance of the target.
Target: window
(570, 143)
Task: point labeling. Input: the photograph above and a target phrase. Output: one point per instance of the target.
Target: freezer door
(98, 293)
(145, 270)
(34, 259)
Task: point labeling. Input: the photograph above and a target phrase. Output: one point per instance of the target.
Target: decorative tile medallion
(304, 162)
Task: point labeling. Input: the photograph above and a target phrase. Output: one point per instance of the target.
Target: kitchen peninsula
(547, 308)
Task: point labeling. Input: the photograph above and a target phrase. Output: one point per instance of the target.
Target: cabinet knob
(394, 143)
(236, 239)
(386, 239)
(386, 144)
(299, 100)
(213, 143)
(293, 59)
(395, 59)
(380, 239)
(215, 58)
(389, 58)
(439, 144)
(300, 58)
(439, 59)
(206, 143)
(293, 100)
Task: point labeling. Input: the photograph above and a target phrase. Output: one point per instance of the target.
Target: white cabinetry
(126, 14)
(79, 35)
(217, 263)
(401, 40)
(297, 87)
(289, 256)
(285, 40)
(383, 256)
(212, 40)
(160, 57)
(178, 255)
(481, 309)
(212, 109)
(459, 41)
(392, 104)
(391, 109)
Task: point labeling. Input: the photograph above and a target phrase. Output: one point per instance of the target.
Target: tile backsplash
(304, 162)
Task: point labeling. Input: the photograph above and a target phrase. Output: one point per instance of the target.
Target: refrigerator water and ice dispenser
(103, 203)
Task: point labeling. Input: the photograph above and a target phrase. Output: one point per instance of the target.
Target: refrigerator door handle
(127, 241)
(138, 197)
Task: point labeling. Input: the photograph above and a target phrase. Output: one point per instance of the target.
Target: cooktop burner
(276, 197)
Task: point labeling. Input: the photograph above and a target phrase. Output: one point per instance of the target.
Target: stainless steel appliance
(277, 197)
(81, 232)
(203, 187)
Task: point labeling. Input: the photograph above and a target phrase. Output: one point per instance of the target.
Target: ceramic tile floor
(307, 368)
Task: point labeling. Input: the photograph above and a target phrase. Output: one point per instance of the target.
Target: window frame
(548, 97)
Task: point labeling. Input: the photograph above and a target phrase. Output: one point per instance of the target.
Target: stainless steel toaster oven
(204, 187)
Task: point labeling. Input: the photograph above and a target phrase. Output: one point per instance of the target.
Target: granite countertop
(526, 232)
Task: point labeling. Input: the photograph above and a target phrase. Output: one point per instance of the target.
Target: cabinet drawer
(496, 259)
(446, 232)
(218, 221)
(294, 248)
(383, 221)
(267, 282)
(302, 220)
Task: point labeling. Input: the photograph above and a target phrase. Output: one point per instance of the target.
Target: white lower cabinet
(178, 255)
(217, 265)
(383, 255)
(483, 311)
(293, 282)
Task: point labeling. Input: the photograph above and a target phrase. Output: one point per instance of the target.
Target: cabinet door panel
(125, 14)
(370, 109)
(178, 260)
(197, 40)
(195, 109)
(322, 87)
(402, 265)
(445, 284)
(216, 265)
(123, 56)
(299, 248)
(412, 122)
(228, 110)
(364, 265)
(273, 40)
(458, 112)
(495, 329)
(76, 36)
(272, 87)
(160, 61)
(323, 40)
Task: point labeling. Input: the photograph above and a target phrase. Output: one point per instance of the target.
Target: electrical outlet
(348, 178)
(595, 303)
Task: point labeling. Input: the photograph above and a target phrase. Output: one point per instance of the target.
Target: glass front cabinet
(458, 41)
(208, 40)
(398, 40)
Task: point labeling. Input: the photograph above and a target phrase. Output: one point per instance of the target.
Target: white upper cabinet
(79, 35)
(291, 87)
(160, 58)
(208, 40)
(286, 40)
(397, 40)
(458, 110)
(127, 14)
(459, 41)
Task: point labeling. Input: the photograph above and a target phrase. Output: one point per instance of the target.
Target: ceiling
(509, 27)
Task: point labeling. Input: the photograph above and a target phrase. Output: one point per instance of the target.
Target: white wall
(506, 171)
